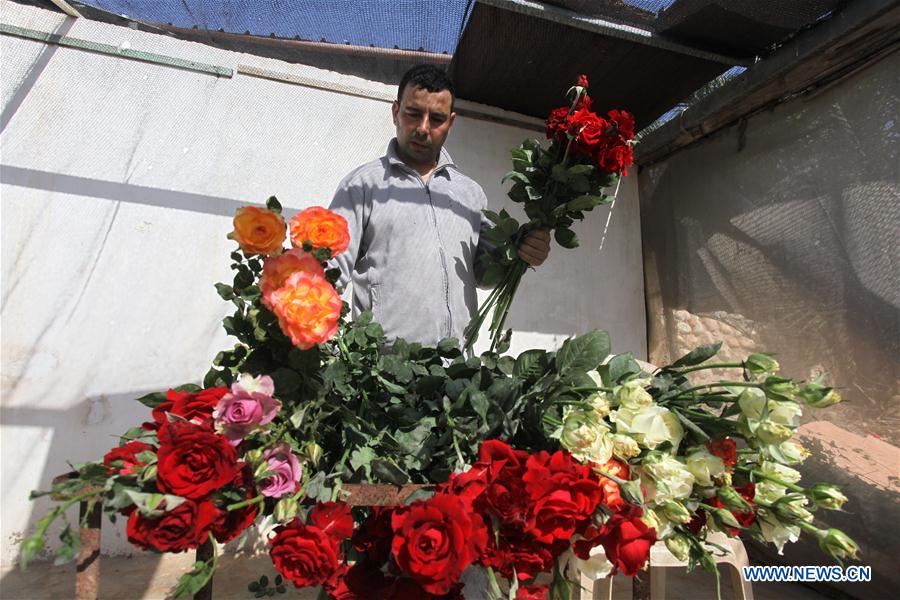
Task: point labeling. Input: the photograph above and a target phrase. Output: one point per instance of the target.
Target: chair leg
(603, 588)
(87, 569)
(657, 583)
(742, 590)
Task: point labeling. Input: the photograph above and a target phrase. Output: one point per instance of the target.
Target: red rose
(182, 528)
(374, 536)
(304, 554)
(724, 448)
(505, 495)
(231, 523)
(532, 592)
(126, 456)
(563, 495)
(588, 131)
(623, 122)
(192, 406)
(333, 518)
(582, 81)
(558, 123)
(514, 553)
(435, 540)
(468, 486)
(745, 519)
(626, 539)
(192, 461)
(362, 581)
(614, 158)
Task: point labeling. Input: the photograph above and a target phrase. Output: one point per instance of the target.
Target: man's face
(423, 120)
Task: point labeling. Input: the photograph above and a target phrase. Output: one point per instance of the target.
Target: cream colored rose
(650, 426)
(586, 438)
(632, 395)
(782, 472)
(625, 447)
(704, 465)
(666, 478)
(753, 402)
(768, 492)
(775, 531)
(599, 401)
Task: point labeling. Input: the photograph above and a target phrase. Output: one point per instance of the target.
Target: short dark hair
(429, 77)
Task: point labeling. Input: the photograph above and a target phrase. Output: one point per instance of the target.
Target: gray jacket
(412, 246)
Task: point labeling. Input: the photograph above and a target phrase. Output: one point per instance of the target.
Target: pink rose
(286, 472)
(247, 407)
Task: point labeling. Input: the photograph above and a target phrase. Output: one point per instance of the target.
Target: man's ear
(395, 108)
(450, 121)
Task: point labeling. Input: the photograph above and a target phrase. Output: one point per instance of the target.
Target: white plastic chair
(661, 559)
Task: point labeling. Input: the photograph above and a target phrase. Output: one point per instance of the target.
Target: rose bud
(826, 495)
(837, 544)
(675, 511)
(732, 500)
(761, 364)
(779, 388)
(285, 510)
(679, 546)
(792, 453)
(312, 452)
(723, 518)
(631, 492)
(770, 432)
(790, 508)
(819, 396)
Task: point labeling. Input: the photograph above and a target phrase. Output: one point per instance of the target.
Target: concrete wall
(119, 179)
(782, 235)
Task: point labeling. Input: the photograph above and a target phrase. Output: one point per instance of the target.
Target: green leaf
(387, 471)
(559, 173)
(691, 426)
(566, 237)
(279, 580)
(622, 365)
(253, 586)
(515, 176)
(698, 355)
(581, 169)
(287, 382)
(364, 318)
(30, 549)
(580, 184)
(449, 348)
(391, 387)
(585, 202)
(153, 400)
(264, 581)
(583, 353)
(225, 291)
(374, 331)
(192, 582)
(529, 363)
(273, 204)
(480, 404)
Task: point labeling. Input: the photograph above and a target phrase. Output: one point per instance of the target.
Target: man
(415, 222)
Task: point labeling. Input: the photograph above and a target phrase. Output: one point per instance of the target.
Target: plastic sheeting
(781, 235)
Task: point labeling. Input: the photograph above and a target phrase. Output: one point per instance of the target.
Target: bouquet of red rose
(556, 185)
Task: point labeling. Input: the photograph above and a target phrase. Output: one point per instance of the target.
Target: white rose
(779, 471)
(753, 403)
(594, 568)
(768, 493)
(599, 401)
(586, 438)
(625, 447)
(775, 531)
(704, 465)
(667, 478)
(650, 426)
(632, 395)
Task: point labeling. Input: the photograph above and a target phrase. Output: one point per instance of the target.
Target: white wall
(119, 179)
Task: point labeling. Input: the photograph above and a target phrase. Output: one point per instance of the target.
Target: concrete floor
(151, 576)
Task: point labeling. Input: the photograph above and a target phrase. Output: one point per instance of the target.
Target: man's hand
(535, 247)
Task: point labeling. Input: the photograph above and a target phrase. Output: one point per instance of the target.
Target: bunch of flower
(711, 457)
(599, 459)
(556, 186)
(518, 514)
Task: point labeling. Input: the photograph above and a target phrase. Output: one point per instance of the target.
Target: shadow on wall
(784, 240)
(68, 429)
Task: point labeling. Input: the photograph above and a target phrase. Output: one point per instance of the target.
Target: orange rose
(321, 228)
(277, 269)
(258, 230)
(612, 495)
(308, 309)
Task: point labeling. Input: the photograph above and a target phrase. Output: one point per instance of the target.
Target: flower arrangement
(587, 154)
(539, 466)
